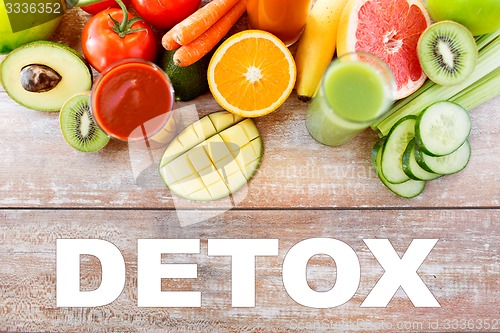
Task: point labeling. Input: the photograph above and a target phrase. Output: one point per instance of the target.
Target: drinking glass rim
(378, 61)
(123, 62)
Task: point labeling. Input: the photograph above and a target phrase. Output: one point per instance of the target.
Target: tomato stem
(124, 27)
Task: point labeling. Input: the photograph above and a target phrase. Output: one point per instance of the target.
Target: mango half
(213, 157)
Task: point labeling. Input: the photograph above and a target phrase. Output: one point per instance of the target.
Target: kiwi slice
(78, 126)
(447, 52)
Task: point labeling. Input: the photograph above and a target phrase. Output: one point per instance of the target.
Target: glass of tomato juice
(131, 100)
(285, 19)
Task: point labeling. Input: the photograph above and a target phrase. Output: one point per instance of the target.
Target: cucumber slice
(375, 151)
(408, 189)
(392, 153)
(442, 128)
(445, 165)
(412, 168)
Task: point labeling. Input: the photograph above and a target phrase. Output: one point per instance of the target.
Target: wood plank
(462, 271)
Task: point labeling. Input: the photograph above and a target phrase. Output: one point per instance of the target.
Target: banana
(317, 45)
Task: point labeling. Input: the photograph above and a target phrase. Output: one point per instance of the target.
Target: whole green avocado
(188, 82)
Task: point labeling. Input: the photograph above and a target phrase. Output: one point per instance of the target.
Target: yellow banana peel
(317, 45)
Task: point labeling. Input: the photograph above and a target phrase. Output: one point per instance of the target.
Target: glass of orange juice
(283, 18)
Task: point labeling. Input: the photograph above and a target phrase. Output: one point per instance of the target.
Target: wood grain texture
(461, 271)
(303, 190)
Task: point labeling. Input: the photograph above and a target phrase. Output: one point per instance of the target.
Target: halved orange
(252, 73)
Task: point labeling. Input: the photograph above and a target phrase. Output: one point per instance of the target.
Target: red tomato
(105, 42)
(102, 5)
(164, 14)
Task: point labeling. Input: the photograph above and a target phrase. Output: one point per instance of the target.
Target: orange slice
(252, 73)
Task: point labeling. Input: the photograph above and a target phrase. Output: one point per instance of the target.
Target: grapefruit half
(389, 29)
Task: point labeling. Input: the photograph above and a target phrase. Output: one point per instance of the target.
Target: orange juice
(284, 18)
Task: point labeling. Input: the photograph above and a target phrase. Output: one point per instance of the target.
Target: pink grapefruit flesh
(389, 29)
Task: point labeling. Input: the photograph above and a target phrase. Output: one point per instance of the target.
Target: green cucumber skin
(420, 157)
(409, 189)
(419, 140)
(375, 150)
(408, 157)
(392, 133)
(423, 160)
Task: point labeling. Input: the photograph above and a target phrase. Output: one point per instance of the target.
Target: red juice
(132, 100)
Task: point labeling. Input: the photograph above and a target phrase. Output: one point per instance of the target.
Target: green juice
(351, 96)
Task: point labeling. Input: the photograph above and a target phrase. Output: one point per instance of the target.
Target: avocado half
(42, 75)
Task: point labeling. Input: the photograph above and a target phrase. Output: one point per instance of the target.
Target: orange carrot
(189, 54)
(196, 24)
(201, 20)
(169, 42)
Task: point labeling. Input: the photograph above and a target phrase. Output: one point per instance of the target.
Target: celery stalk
(487, 63)
(402, 102)
(475, 85)
(484, 40)
(480, 92)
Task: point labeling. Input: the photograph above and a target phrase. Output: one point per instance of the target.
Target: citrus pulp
(389, 29)
(252, 73)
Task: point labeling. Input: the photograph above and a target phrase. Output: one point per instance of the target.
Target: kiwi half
(447, 52)
(78, 127)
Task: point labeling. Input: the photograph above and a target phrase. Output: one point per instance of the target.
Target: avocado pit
(38, 78)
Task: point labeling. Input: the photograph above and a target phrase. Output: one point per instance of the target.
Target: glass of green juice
(356, 89)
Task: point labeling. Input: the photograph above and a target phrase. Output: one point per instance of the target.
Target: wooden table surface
(302, 190)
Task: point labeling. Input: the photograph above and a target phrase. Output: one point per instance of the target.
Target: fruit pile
(430, 50)
(434, 58)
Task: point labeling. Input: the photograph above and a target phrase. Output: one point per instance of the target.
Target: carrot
(189, 54)
(201, 20)
(169, 42)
